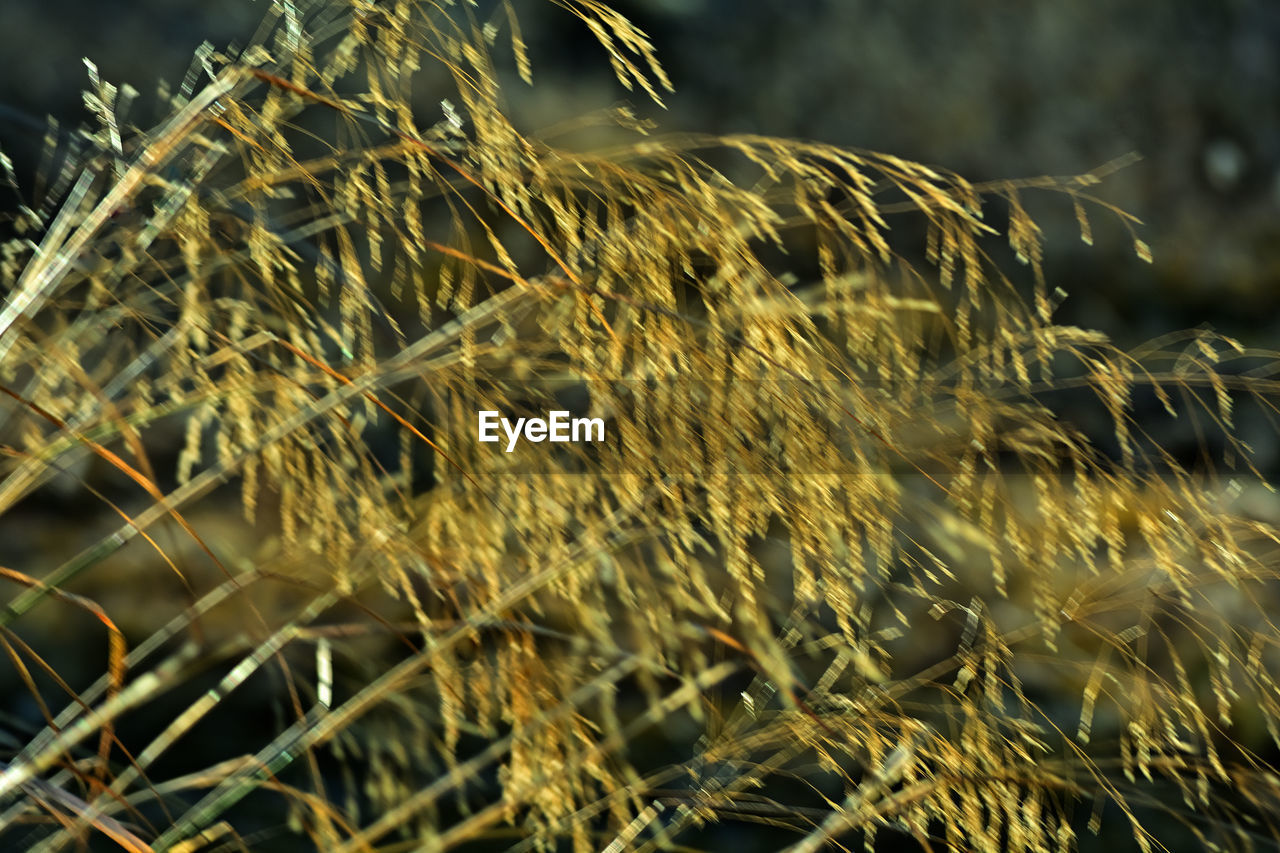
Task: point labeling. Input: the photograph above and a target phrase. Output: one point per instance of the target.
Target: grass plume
(854, 559)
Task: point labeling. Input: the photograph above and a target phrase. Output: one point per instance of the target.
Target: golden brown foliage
(838, 567)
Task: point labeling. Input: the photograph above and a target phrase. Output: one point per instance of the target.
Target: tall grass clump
(872, 551)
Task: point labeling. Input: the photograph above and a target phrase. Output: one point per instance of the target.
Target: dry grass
(840, 569)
